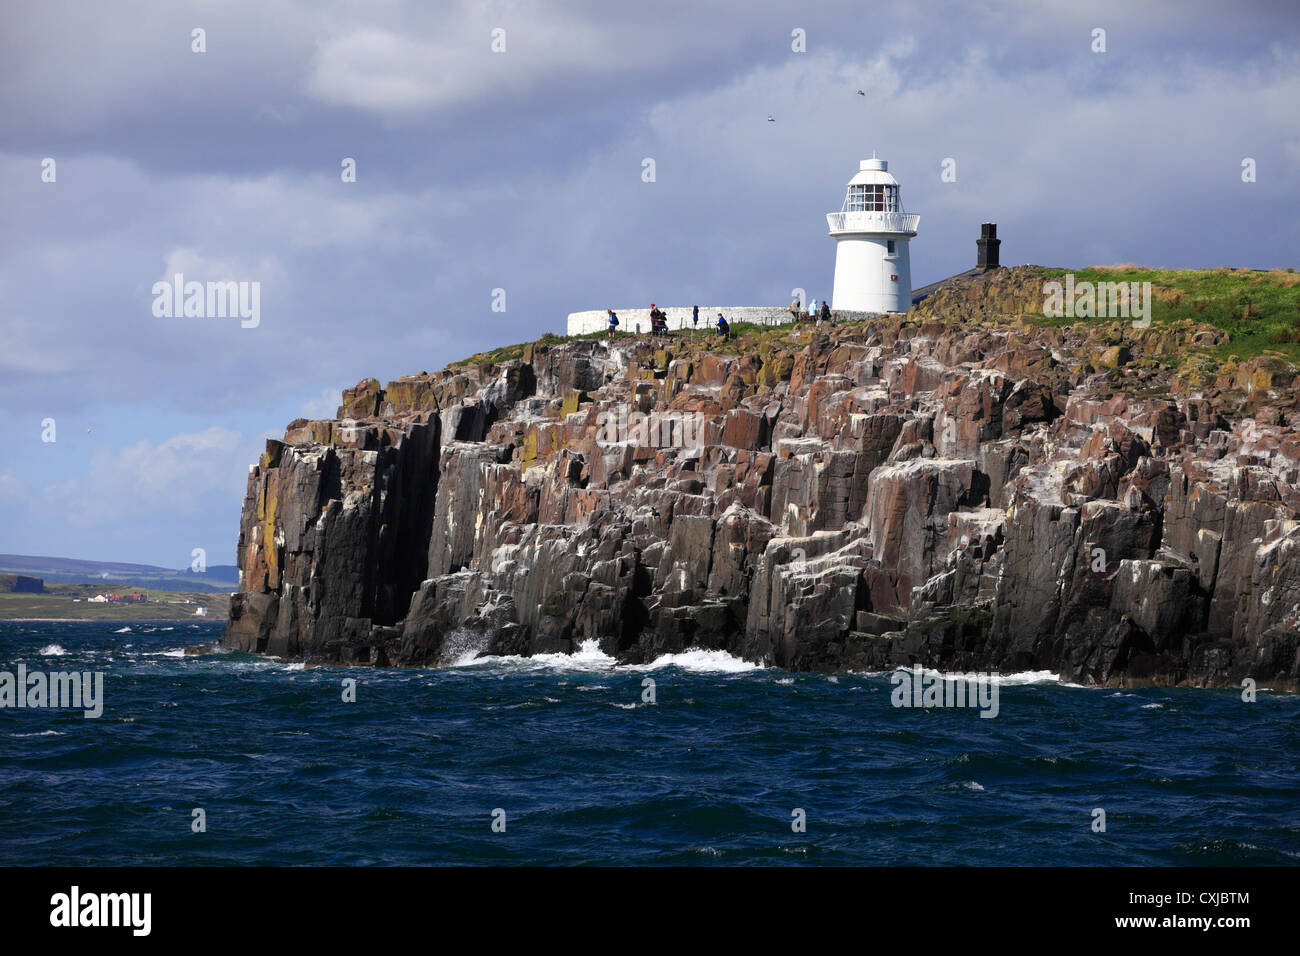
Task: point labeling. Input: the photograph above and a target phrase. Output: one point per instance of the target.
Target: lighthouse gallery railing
(873, 221)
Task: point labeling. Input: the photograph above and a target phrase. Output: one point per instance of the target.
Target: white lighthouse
(872, 271)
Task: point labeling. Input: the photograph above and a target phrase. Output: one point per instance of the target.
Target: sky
(521, 169)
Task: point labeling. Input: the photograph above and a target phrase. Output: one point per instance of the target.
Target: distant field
(62, 603)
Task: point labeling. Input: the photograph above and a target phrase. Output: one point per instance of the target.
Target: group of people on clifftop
(821, 314)
(659, 321)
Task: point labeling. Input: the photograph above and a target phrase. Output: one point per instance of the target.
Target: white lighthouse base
(868, 278)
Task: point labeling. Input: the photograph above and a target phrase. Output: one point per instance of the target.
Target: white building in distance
(872, 270)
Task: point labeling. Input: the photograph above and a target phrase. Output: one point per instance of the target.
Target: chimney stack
(988, 243)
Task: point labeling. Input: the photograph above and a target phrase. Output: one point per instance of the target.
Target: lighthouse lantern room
(871, 230)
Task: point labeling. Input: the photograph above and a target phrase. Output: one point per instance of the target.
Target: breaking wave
(700, 662)
(464, 652)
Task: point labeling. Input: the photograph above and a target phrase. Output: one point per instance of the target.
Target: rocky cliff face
(959, 488)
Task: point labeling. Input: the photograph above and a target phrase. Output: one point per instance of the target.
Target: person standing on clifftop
(613, 321)
(695, 316)
(723, 327)
(826, 311)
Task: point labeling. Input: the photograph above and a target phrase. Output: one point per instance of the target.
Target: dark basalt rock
(947, 493)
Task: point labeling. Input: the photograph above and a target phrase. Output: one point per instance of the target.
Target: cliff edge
(970, 486)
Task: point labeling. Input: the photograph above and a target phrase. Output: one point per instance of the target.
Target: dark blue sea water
(411, 773)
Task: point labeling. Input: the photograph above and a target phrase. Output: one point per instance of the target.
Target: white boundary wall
(679, 317)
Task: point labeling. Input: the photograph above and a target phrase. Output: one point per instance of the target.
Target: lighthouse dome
(873, 172)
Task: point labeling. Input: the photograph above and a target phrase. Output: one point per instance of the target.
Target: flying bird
(770, 119)
(860, 93)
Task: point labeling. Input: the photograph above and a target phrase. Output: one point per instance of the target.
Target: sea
(233, 759)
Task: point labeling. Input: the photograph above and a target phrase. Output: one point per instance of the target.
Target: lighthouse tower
(872, 271)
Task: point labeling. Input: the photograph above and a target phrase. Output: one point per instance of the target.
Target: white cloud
(197, 266)
(175, 478)
(379, 70)
(13, 490)
(323, 404)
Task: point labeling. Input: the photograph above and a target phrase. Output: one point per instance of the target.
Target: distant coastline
(73, 602)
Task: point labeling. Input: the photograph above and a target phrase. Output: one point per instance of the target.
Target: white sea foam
(52, 650)
(701, 662)
(42, 733)
(1006, 680)
(123, 630)
(1027, 677)
(463, 647)
(588, 657)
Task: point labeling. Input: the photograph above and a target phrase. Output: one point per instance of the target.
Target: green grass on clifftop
(1259, 309)
(745, 338)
